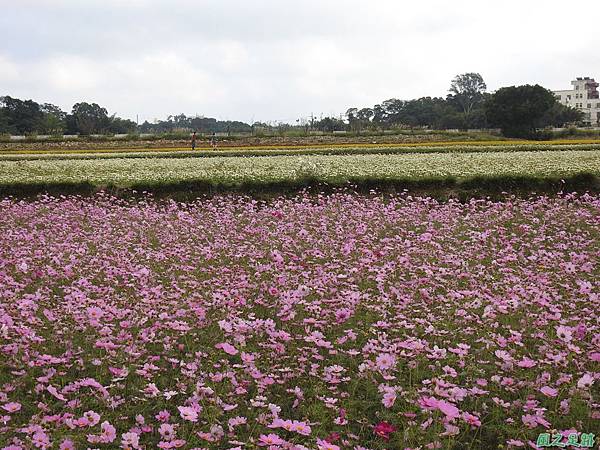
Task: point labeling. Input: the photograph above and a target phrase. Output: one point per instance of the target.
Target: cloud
(278, 59)
(9, 70)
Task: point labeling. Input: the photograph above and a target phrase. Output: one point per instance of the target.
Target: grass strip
(440, 188)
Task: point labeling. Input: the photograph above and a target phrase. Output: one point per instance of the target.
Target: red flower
(333, 437)
(384, 430)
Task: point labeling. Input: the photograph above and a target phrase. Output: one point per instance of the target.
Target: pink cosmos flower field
(338, 321)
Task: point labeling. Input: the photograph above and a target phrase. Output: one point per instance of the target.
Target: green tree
(21, 116)
(330, 124)
(353, 120)
(121, 126)
(560, 115)
(364, 116)
(520, 111)
(392, 112)
(4, 126)
(423, 112)
(54, 119)
(467, 93)
(90, 118)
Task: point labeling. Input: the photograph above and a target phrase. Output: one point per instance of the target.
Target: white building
(585, 97)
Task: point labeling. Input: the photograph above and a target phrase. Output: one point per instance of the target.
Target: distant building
(585, 97)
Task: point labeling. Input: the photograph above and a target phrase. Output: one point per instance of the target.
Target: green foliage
(26, 117)
(520, 111)
(560, 115)
(462, 109)
(181, 122)
(20, 116)
(330, 124)
(90, 118)
(121, 126)
(467, 94)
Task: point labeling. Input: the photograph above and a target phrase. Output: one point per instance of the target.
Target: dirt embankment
(239, 142)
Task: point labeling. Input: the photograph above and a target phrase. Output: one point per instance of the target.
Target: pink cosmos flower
(503, 355)
(324, 445)
(41, 440)
(533, 420)
(529, 420)
(12, 407)
(448, 409)
(595, 356)
(163, 416)
(55, 393)
(471, 419)
(428, 402)
(548, 391)
(188, 413)
(527, 363)
(385, 361)
(130, 441)
(95, 313)
(280, 423)
(451, 430)
(301, 428)
(270, 439)
(236, 421)
(227, 348)
(167, 431)
(93, 418)
(585, 381)
(389, 398)
(109, 433)
(564, 333)
(67, 444)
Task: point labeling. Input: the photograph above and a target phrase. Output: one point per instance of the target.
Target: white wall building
(585, 97)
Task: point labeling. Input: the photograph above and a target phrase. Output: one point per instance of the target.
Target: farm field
(299, 147)
(183, 141)
(315, 322)
(375, 149)
(227, 172)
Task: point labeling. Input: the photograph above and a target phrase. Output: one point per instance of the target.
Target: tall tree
(54, 119)
(353, 121)
(21, 116)
(392, 111)
(364, 115)
(379, 116)
(467, 93)
(90, 118)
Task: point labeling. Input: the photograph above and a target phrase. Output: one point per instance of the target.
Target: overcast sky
(279, 60)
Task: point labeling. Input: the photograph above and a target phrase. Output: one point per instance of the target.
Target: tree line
(29, 117)
(199, 124)
(519, 111)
